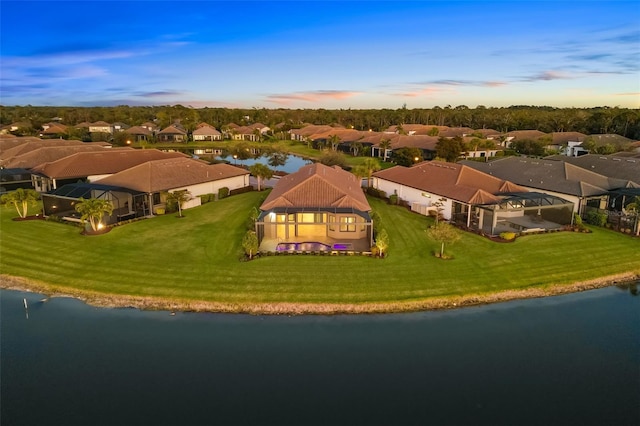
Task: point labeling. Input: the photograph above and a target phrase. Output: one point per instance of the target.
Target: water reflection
(571, 359)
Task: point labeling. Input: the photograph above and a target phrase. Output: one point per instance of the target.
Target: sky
(308, 54)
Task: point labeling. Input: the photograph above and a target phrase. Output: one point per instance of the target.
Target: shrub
(223, 192)
(595, 218)
(374, 192)
(507, 235)
(393, 199)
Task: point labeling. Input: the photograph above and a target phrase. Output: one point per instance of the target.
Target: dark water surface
(568, 360)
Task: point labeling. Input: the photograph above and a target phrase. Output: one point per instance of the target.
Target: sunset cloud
(312, 96)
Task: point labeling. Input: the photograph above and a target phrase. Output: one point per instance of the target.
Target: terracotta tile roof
(48, 154)
(312, 129)
(206, 130)
(172, 130)
(100, 124)
(345, 135)
(138, 130)
(55, 129)
(170, 173)
(31, 144)
(526, 134)
(318, 186)
(548, 175)
(450, 180)
(84, 164)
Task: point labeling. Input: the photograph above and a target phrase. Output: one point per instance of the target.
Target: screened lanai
(127, 203)
(523, 212)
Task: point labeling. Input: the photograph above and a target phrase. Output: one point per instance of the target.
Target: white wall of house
(413, 195)
(213, 187)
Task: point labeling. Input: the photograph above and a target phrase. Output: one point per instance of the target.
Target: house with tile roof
(153, 178)
(47, 154)
(319, 204)
(205, 132)
(558, 178)
(90, 166)
(101, 127)
(172, 133)
(472, 199)
(139, 133)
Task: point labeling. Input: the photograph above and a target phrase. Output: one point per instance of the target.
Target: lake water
(291, 166)
(567, 360)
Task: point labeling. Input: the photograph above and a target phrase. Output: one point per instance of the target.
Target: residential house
(173, 133)
(139, 133)
(176, 174)
(316, 204)
(91, 166)
(53, 130)
(205, 132)
(580, 186)
(152, 127)
(47, 154)
(472, 199)
(101, 127)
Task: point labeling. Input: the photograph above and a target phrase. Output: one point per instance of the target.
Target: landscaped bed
(194, 264)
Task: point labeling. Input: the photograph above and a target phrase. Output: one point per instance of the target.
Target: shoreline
(102, 300)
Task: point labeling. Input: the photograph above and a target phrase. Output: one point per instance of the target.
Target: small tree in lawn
(21, 199)
(179, 197)
(260, 171)
(382, 242)
(444, 234)
(94, 209)
(250, 244)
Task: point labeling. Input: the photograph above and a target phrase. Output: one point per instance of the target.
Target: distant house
(473, 199)
(101, 127)
(174, 174)
(173, 133)
(139, 133)
(47, 154)
(152, 127)
(317, 204)
(205, 132)
(53, 130)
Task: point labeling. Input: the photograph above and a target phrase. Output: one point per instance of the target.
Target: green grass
(197, 258)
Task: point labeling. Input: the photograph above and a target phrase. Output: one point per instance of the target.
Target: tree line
(596, 120)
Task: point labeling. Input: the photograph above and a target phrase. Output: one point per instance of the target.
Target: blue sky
(306, 54)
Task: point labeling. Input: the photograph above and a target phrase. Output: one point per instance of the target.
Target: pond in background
(571, 360)
(291, 166)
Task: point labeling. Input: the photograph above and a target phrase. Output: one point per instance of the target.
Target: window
(347, 224)
(332, 222)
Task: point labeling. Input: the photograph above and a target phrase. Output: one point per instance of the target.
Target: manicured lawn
(197, 258)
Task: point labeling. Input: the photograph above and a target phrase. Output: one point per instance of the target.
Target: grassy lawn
(197, 258)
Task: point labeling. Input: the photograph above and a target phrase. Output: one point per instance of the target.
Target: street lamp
(235, 157)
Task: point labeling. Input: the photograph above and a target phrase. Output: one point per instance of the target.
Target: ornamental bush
(223, 192)
(508, 235)
(595, 218)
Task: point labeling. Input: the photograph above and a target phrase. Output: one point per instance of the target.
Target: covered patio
(523, 212)
(127, 203)
(336, 229)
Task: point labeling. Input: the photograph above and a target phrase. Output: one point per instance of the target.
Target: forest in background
(597, 120)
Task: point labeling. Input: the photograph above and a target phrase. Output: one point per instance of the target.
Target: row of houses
(133, 180)
(327, 205)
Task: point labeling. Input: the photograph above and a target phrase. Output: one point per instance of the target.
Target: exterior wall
(100, 129)
(414, 196)
(315, 226)
(214, 186)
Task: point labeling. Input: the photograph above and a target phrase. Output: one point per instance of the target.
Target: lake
(565, 360)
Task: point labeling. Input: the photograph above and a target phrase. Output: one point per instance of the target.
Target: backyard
(194, 263)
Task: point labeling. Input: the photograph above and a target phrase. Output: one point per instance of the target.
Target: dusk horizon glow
(333, 55)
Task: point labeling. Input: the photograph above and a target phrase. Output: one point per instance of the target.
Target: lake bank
(97, 299)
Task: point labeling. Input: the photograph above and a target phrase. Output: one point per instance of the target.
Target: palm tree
(370, 166)
(93, 209)
(385, 145)
(260, 171)
(179, 197)
(633, 209)
(21, 199)
(334, 140)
